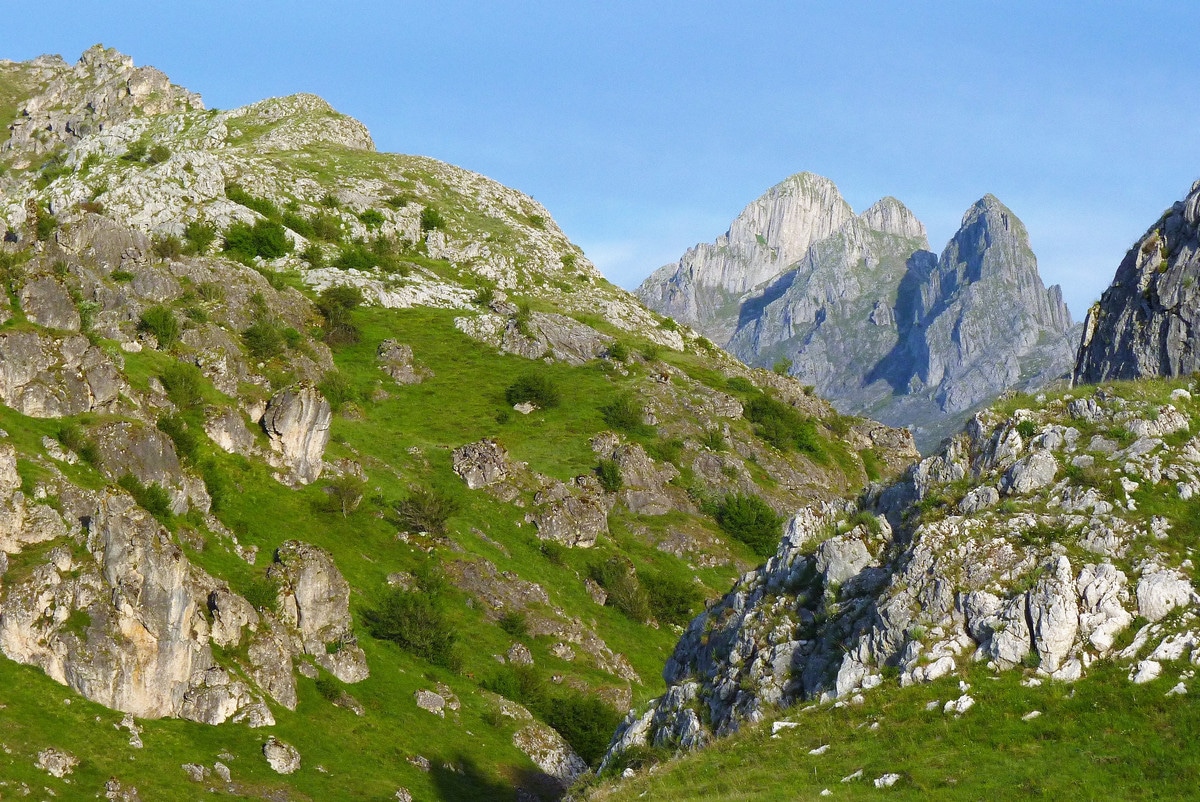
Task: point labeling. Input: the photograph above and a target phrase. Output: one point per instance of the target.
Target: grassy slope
(1101, 738)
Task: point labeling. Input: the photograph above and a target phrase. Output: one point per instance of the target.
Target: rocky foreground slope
(1053, 534)
(352, 454)
(857, 305)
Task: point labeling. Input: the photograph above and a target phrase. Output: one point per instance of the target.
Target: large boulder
(297, 422)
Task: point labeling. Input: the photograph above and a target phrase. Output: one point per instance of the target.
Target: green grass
(1101, 738)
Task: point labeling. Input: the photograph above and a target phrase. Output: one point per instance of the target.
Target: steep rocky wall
(1145, 323)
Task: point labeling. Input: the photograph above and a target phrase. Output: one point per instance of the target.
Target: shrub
(263, 340)
(556, 553)
(329, 688)
(431, 219)
(187, 442)
(313, 255)
(782, 425)
(198, 237)
(673, 597)
(426, 510)
(184, 384)
(534, 388)
(330, 201)
(168, 247)
(514, 624)
(44, 225)
(740, 384)
(262, 593)
(782, 366)
(74, 438)
(150, 497)
(338, 390)
(158, 154)
(416, 623)
(668, 324)
(136, 151)
(336, 305)
(162, 323)
(372, 218)
(618, 578)
(261, 205)
(750, 520)
(485, 295)
(523, 318)
(298, 224)
(265, 238)
(346, 490)
(625, 413)
(618, 352)
(668, 450)
(1027, 429)
(585, 720)
(609, 473)
(325, 226)
(713, 440)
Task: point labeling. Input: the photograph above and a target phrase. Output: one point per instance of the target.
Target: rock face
(931, 572)
(861, 309)
(1145, 323)
(297, 423)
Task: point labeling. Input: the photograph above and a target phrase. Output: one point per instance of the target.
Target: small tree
(162, 323)
(750, 520)
(426, 510)
(609, 474)
(533, 387)
(347, 491)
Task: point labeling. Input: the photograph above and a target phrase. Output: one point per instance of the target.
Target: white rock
(1178, 690)
(886, 781)
(1161, 590)
(852, 777)
(782, 725)
(1031, 715)
(820, 750)
(1147, 670)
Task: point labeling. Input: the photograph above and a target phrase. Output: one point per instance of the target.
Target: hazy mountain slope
(233, 494)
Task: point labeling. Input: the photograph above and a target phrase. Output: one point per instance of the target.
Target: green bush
(136, 151)
(667, 450)
(514, 624)
(750, 520)
(264, 340)
(329, 688)
(325, 226)
(585, 720)
(162, 323)
(618, 578)
(185, 438)
(298, 224)
(336, 305)
(740, 384)
(1027, 429)
(346, 491)
(184, 384)
(44, 225)
(74, 438)
(168, 247)
(609, 473)
(713, 440)
(782, 366)
(673, 596)
(533, 387)
(485, 295)
(372, 218)
(416, 623)
(265, 238)
(338, 390)
(426, 510)
(668, 324)
(431, 219)
(262, 593)
(782, 425)
(152, 497)
(198, 237)
(625, 413)
(618, 352)
(158, 154)
(261, 205)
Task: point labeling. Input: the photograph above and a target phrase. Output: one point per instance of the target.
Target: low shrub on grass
(151, 497)
(749, 519)
(416, 623)
(74, 438)
(265, 238)
(426, 510)
(626, 413)
(184, 384)
(161, 322)
(673, 596)
(264, 340)
(533, 387)
(618, 578)
(609, 474)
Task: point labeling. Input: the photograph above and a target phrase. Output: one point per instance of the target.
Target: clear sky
(646, 127)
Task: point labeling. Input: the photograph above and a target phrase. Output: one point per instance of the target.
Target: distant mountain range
(860, 308)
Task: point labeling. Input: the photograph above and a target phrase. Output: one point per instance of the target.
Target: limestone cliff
(1145, 323)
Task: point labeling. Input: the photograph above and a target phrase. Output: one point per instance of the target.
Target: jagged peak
(98, 55)
(889, 215)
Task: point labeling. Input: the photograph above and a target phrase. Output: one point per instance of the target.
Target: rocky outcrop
(396, 360)
(481, 464)
(550, 753)
(572, 513)
(297, 422)
(1145, 323)
(873, 320)
(283, 758)
(314, 600)
(931, 572)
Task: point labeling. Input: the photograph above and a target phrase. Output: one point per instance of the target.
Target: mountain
(331, 473)
(1144, 324)
(859, 308)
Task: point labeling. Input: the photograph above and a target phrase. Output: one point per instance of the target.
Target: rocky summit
(1144, 324)
(858, 307)
(327, 472)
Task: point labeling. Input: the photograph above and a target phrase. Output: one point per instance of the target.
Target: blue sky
(646, 127)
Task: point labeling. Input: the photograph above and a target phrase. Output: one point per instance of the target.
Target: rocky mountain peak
(102, 89)
(889, 216)
(1145, 323)
(787, 219)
